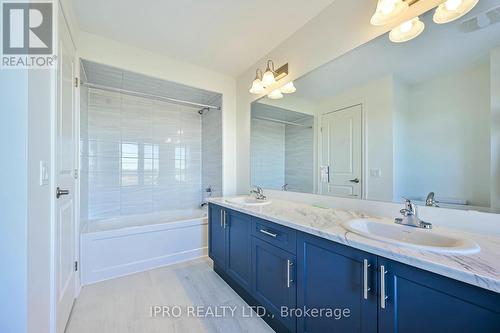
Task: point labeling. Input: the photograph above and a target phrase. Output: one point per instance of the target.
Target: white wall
(340, 28)
(495, 128)
(377, 100)
(112, 53)
(453, 151)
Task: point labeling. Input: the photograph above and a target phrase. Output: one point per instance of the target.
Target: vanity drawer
(275, 234)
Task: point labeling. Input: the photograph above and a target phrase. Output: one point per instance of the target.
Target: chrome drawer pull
(383, 296)
(289, 265)
(365, 279)
(265, 232)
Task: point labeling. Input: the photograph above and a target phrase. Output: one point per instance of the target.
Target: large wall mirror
(390, 120)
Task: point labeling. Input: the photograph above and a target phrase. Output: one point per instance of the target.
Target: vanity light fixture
(270, 77)
(387, 10)
(288, 88)
(275, 94)
(452, 10)
(257, 86)
(407, 30)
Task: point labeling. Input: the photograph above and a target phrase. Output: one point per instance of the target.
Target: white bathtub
(130, 244)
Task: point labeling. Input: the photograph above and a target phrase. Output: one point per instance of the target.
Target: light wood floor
(123, 305)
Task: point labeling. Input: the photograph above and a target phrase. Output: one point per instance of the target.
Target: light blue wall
(13, 200)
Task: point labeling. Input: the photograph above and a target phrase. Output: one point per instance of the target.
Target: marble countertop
(481, 269)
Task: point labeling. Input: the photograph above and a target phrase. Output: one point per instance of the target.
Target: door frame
(62, 19)
(319, 140)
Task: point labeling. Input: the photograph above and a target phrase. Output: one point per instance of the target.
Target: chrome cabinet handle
(265, 232)
(222, 218)
(60, 192)
(383, 296)
(225, 218)
(365, 279)
(289, 265)
(355, 180)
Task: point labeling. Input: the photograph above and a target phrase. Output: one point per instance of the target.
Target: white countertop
(480, 269)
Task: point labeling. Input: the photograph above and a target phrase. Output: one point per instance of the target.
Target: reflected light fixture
(288, 88)
(275, 94)
(268, 78)
(257, 86)
(387, 10)
(452, 10)
(407, 30)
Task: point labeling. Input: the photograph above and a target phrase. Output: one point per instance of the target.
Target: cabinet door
(238, 255)
(420, 301)
(216, 235)
(273, 280)
(334, 278)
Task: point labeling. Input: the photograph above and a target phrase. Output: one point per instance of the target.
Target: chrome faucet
(284, 187)
(410, 216)
(430, 201)
(259, 193)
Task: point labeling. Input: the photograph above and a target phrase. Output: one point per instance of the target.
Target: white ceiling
(224, 35)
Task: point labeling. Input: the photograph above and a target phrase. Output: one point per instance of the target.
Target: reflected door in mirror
(341, 142)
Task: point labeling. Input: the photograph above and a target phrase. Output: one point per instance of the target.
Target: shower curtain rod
(282, 121)
(151, 96)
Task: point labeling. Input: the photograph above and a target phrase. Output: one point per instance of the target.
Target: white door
(341, 152)
(65, 165)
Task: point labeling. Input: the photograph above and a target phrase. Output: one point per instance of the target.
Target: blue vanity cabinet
(216, 235)
(238, 247)
(336, 277)
(314, 285)
(420, 301)
(274, 287)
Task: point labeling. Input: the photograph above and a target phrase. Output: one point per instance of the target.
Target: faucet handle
(409, 206)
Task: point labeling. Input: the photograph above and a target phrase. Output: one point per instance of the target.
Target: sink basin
(248, 201)
(429, 240)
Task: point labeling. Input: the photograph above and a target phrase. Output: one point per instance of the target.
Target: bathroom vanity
(312, 275)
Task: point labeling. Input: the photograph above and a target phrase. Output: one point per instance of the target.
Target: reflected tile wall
(142, 155)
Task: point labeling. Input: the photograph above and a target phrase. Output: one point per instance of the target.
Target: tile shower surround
(141, 155)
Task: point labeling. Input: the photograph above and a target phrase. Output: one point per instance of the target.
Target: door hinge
(76, 266)
(76, 82)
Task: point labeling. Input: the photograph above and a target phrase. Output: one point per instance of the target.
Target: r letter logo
(27, 29)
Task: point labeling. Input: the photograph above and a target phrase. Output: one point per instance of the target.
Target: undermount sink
(248, 201)
(429, 240)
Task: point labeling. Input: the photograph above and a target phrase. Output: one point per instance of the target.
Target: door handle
(383, 296)
(355, 180)
(365, 279)
(289, 265)
(60, 192)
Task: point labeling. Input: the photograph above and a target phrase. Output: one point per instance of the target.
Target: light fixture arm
(258, 74)
(270, 66)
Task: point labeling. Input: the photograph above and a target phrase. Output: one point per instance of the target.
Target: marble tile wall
(299, 156)
(212, 153)
(267, 154)
(140, 155)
